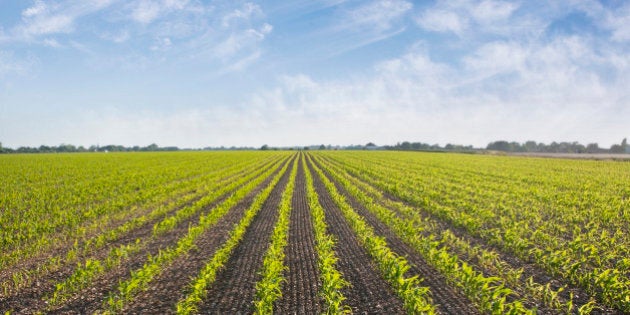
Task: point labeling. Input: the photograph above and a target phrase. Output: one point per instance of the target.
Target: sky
(194, 73)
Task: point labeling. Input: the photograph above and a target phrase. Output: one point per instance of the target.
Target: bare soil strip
(32, 298)
(60, 250)
(369, 292)
(530, 269)
(170, 286)
(91, 299)
(300, 292)
(448, 299)
(35, 260)
(234, 288)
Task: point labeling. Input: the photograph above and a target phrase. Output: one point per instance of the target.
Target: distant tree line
(64, 148)
(557, 147)
(529, 146)
(419, 146)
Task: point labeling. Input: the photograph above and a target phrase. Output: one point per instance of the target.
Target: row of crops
(511, 220)
(200, 232)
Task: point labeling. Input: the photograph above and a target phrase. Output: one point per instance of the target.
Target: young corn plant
(141, 278)
(198, 288)
(416, 299)
(332, 280)
(487, 292)
(269, 288)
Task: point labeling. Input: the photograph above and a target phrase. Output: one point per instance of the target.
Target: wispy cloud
(147, 11)
(227, 35)
(376, 16)
(51, 42)
(545, 91)
(359, 25)
(236, 42)
(244, 13)
(44, 18)
(440, 20)
(464, 15)
(615, 19)
(242, 64)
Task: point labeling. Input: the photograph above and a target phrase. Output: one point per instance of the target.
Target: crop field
(313, 232)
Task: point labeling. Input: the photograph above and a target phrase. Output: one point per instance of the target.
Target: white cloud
(241, 41)
(54, 18)
(614, 19)
(439, 20)
(364, 24)
(378, 15)
(544, 91)
(618, 22)
(228, 36)
(496, 57)
(245, 13)
(469, 15)
(243, 63)
(147, 11)
(38, 8)
(490, 10)
(49, 25)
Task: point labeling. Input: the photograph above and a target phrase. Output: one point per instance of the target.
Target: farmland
(313, 232)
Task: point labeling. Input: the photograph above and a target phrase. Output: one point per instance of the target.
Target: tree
(530, 146)
(615, 148)
(592, 148)
(152, 147)
(264, 147)
(370, 144)
(322, 147)
(499, 146)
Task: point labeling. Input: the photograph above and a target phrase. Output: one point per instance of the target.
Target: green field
(313, 232)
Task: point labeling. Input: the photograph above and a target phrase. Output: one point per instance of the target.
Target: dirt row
(303, 283)
(90, 299)
(530, 269)
(234, 288)
(447, 299)
(61, 249)
(369, 292)
(34, 261)
(171, 285)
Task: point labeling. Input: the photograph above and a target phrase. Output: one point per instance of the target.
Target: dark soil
(369, 293)
(234, 288)
(33, 297)
(300, 292)
(446, 297)
(91, 298)
(530, 269)
(35, 262)
(170, 286)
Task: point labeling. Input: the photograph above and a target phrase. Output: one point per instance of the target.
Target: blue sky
(211, 73)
